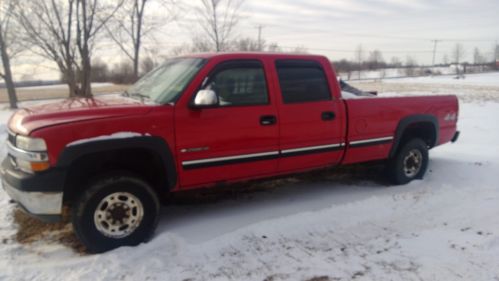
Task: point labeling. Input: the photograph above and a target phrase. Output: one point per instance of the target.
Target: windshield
(165, 83)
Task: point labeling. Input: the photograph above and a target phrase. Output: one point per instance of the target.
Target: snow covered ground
(445, 227)
(64, 86)
(482, 79)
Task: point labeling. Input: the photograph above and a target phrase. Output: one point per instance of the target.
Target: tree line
(364, 60)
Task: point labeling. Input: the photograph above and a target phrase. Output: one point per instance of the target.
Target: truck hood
(29, 119)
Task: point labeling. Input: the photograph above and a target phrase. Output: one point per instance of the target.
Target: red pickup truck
(205, 120)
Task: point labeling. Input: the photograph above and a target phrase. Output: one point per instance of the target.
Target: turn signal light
(39, 166)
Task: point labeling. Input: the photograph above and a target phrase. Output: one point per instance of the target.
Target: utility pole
(435, 42)
(260, 27)
(496, 59)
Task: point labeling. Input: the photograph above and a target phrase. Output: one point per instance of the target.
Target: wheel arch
(424, 126)
(149, 157)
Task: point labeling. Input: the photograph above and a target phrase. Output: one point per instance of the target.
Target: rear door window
(302, 81)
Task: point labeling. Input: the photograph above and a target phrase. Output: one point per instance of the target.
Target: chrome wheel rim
(118, 214)
(413, 162)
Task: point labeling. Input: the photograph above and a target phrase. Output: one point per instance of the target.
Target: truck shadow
(202, 215)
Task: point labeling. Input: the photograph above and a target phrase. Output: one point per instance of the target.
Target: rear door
(238, 138)
(311, 121)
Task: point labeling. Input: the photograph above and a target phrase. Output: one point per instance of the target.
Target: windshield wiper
(146, 97)
(141, 96)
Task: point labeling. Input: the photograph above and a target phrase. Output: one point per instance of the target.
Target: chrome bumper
(36, 203)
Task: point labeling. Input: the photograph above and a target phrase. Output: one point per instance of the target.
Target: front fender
(72, 153)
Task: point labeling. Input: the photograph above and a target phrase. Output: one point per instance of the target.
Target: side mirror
(205, 98)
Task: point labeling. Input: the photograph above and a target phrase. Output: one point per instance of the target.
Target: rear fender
(406, 122)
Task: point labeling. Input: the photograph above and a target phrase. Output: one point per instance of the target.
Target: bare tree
(218, 18)
(375, 59)
(458, 53)
(445, 60)
(197, 46)
(299, 50)
(147, 64)
(8, 48)
(410, 66)
(395, 62)
(359, 57)
(274, 47)
(478, 58)
(129, 27)
(247, 45)
(64, 31)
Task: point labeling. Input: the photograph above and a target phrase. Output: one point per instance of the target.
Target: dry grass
(24, 94)
(31, 230)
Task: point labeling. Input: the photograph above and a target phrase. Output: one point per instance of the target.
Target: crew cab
(201, 121)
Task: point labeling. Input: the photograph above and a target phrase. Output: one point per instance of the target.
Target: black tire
(400, 165)
(85, 209)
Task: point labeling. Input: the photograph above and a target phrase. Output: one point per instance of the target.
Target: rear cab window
(302, 81)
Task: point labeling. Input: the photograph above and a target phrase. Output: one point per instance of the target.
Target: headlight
(30, 144)
(30, 154)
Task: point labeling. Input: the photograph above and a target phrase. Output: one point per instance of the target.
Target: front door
(235, 139)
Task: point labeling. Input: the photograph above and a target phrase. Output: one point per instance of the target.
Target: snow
(117, 135)
(64, 86)
(482, 79)
(348, 95)
(444, 227)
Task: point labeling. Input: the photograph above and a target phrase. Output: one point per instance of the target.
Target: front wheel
(116, 210)
(409, 163)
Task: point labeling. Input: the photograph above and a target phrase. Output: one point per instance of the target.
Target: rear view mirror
(205, 98)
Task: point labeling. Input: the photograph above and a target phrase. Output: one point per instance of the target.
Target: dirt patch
(31, 230)
(349, 174)
(320, 278)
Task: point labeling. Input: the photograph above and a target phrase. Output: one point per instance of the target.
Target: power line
(418, 38)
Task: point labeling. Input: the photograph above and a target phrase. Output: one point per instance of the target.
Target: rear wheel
(409, 163)
(116, 210)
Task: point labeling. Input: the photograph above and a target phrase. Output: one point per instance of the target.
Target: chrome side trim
(244, 156)
(308, 148)
(36, 203)
(26, 155)
(371, 140)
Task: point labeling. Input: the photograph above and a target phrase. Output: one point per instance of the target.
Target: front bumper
(455, 137)
(40, 195)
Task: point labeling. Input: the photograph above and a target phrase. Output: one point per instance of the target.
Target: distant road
(57, 91)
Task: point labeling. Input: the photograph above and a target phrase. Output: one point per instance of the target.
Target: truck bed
(378, 117)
